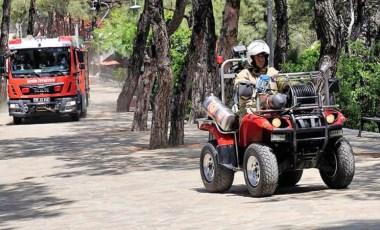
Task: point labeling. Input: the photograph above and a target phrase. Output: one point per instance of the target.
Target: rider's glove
(235, 108)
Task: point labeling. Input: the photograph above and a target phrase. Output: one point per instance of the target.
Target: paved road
(95, 174)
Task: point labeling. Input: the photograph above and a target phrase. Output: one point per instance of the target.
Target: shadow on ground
(102, 146)
(366, 183)
(27, 200)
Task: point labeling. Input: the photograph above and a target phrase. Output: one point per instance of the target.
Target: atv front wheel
(260, 170)
(215, 177)
(290, 178)
(338, 165)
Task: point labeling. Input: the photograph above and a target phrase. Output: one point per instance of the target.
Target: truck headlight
(14, 106)
(71, 103)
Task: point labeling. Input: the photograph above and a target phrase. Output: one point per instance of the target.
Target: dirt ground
(97, 174)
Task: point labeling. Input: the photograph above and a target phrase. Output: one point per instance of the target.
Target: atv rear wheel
(338, 165)
(215, 177)
(290, 178)
(260, 170)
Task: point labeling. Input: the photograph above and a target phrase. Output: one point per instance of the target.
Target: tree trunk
(189, 70)
(373, 24)
(329, 30)
(176, 20)
(282, 42)
(206, 76)
(143, 92)
(160, 120)
(49, 29)
(199, 86)
(227, 40)
(210, 45)
(135, 64)
(359, 20)
(32, 11)
(4, 46)
(146, 80)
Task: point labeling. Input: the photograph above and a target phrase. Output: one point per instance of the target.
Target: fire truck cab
(47, 77)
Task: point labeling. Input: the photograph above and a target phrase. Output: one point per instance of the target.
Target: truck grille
(40, 89)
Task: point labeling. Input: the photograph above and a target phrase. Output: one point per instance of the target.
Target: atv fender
(225, 146)
(221, 138)
(252, 129)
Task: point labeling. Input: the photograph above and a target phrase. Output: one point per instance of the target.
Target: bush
(358, 76)
(360, 85)
(306, 61)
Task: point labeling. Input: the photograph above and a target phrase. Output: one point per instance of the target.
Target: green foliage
(251, 22)
(120, 75)
(79, 9)
(75, 8)
(305, 61)
(19, 11)
(360, 83)
(358, 75)
(301, 33)
(179, 43)
(118, 33)
(253, 25)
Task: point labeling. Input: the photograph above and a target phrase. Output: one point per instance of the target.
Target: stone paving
(95, 174)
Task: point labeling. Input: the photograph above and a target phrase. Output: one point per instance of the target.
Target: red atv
(273, 144)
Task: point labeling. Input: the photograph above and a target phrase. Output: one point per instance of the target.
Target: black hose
(301, 90)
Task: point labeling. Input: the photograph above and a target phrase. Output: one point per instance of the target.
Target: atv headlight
(330, 118)
(276, 122)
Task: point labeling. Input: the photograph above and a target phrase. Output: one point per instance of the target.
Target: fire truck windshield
(41, 61)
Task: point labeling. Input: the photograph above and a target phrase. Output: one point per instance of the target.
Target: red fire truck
(47, 76)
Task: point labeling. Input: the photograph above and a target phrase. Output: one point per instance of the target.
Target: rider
(257, 60)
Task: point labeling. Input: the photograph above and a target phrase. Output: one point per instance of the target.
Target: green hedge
(358, 74)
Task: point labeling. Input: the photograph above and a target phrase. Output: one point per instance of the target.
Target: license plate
(41, 90)
(41, 99)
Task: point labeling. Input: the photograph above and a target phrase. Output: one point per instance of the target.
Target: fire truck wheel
(75, 117)
(17, 120)
(83, 113)
(260, 170)
(338, 165)
(290, 178)
(215, 177)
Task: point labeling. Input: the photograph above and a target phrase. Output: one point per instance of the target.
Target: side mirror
(82, 66)
(2, 64)
(80, 56)
(239, 51)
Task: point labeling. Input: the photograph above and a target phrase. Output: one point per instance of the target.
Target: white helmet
(256, 47)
